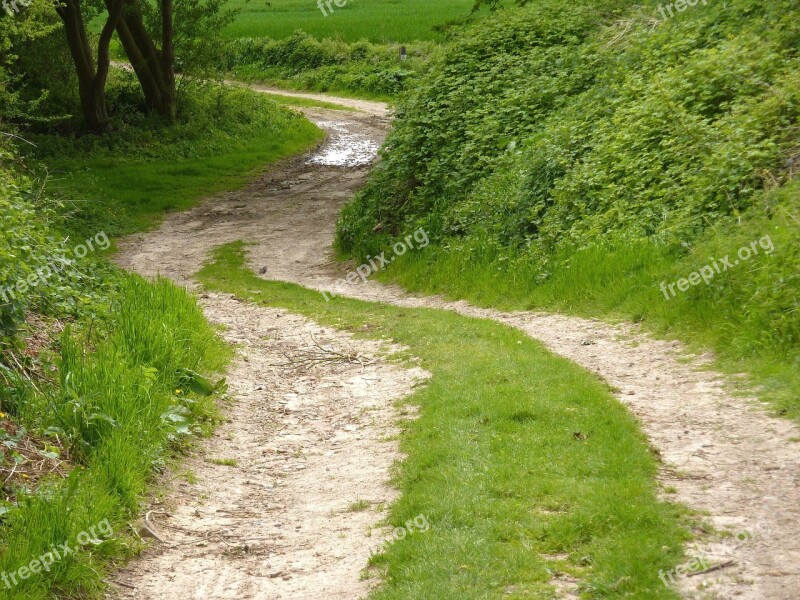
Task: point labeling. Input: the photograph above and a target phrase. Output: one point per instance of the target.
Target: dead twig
(727, 563)
(318, 355)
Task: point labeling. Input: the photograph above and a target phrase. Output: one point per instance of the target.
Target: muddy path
(722, 453)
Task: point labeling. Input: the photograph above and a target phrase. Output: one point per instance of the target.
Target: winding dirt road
(294, 516)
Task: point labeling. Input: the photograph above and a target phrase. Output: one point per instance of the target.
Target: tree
(154, 68)
(189, 29)
(21, 102)
(91, 79)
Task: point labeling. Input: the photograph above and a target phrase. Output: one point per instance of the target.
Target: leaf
(98, 416)
(196, 382)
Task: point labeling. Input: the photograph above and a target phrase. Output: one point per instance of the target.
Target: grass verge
(736, 314)
(523, 463)
(110, 399)
(116, 412)
(125, 181)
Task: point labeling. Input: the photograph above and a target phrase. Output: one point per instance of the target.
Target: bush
(303, 62)
(577, 155)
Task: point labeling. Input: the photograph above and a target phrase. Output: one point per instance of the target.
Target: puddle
(344, 148)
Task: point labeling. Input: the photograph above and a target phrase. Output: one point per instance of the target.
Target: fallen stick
(727, 563)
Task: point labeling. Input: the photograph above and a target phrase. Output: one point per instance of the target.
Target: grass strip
(523, 463)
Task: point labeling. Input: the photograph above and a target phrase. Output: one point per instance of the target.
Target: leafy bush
(627, 129)
(577, 155)
(301, 61)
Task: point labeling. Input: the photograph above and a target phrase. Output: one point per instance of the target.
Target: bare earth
(277, 525)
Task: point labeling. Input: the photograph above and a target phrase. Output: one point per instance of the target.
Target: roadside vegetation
(584, 157)
(579, 156)
(353, 50)
(523, 463)
(302, 62)
(124, 181)
(104, 377)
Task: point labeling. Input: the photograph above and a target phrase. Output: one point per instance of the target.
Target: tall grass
(121, 408)
(747, 314)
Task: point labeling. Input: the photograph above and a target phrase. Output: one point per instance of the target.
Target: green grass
(375, 20)
(118, 409)
(734, 315)
(124, 392)
(359, 506)
(535, 153)
(306, 102)
(224, 462)
(516, 454)
(124, 182)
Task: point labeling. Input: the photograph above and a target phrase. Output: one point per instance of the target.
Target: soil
(308, 445)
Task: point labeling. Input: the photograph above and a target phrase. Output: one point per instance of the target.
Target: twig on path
(120, 583)
(308, 359)
(727, 563)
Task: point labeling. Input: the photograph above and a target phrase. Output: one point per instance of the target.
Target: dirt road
(309, 447)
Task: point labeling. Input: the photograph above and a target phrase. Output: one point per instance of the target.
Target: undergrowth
(361, 69)
(103, 375)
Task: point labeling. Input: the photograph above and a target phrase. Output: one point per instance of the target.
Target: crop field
(375, 20)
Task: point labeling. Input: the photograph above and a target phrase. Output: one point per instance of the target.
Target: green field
(375, 20)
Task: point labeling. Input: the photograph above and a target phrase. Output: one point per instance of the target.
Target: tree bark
(155, 69)
(141, 64)
(91, 80)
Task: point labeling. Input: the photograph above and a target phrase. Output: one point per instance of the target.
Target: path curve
(722, 454)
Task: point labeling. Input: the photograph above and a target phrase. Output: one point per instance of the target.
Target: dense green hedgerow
(303, 62)
(605, 140)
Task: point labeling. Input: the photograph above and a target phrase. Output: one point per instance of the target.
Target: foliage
(301, 61)
(198, 26)
(30, 253)
(121, 408)
(29, 52)
(129, 383)
(576, 156)
(144, 168)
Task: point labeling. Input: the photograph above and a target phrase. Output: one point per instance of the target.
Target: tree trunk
(155, 70)
(91, 81)
(141, 65)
